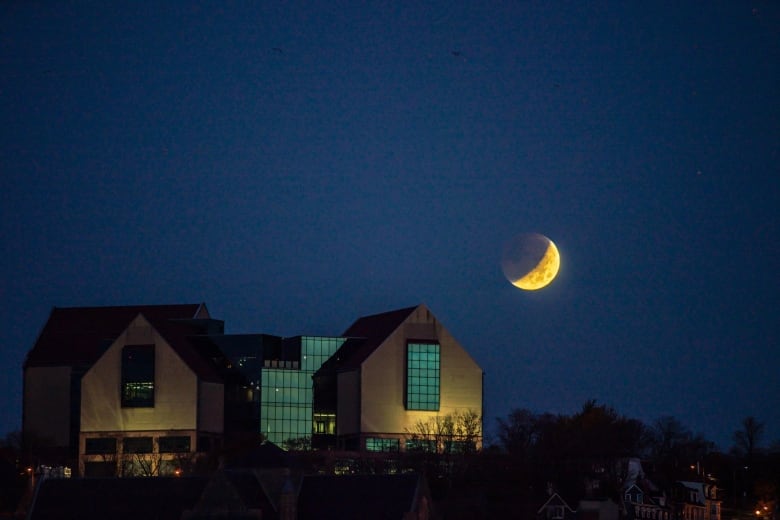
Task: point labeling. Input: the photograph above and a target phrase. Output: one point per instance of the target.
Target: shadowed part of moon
(530, 261)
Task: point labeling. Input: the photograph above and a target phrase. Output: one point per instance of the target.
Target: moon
(530, 261)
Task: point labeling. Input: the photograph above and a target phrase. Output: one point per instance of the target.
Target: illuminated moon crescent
(530, 261)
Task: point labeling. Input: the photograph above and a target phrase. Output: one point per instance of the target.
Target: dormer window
(138, 376)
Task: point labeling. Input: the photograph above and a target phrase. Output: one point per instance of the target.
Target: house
(393, 383)
(227, 495)
(555, 508)
(146, 390)
(697, 501)
(358, 497)
(643, 504)
(71, 342)
(234, 495)
(149, 403)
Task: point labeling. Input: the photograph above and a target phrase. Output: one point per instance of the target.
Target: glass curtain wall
(286, 390)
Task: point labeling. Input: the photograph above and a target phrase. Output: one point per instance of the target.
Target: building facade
(143, 390)
(401, 381)
(149, 404)
(70, 343)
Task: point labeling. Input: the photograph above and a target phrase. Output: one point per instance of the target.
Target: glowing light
(530, 261)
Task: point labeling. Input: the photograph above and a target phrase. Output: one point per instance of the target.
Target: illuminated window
(379, 444)
(174, 444)
(422, 376)
(325, 423)
(138, 376)
(421, 445)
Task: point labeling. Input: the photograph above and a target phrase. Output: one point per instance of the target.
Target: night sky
(297, 165)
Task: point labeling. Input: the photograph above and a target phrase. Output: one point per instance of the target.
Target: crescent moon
(530, 261)
(544, 272)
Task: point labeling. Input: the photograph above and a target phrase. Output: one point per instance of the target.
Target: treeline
(542, 448)
(532, 453)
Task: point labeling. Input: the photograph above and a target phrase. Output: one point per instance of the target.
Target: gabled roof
(79, 335)
(117, 498)
(179, 336)
(695, 487)
(554, 500)
(359, 496)
(373, 330)
(228, 494)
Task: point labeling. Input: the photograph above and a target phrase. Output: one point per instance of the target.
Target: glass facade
(423, 376)
(381, 444)
(286, 387)
(421, 445)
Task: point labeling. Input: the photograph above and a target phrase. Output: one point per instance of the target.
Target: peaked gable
(78, 336)
(374, 330)
(555, 500)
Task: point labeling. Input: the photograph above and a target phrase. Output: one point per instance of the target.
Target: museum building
(142, 390)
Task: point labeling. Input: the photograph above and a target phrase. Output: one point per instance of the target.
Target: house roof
(161, 498)
(228, 494)
(373, 330)
(358, 496)
(78, 336)
(555, 500)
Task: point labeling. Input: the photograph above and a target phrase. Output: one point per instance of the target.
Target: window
(138, 376)
(379, 444)
(137, 444)
(556, 512)
(175, 444)
(325, 423)
(421, 445)
(422, 376)
(100, 445)
(459, 447)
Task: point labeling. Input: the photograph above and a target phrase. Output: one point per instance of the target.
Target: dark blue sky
(297, 165)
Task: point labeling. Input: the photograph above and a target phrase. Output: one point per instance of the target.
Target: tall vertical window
(138, 376)
(422, 376)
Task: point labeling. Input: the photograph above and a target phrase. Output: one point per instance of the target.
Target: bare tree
(747, 439)
(459, 431)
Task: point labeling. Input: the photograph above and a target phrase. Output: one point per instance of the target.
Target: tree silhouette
(747, 439)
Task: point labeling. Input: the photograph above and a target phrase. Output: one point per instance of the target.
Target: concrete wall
(47, 404)
(175, 392)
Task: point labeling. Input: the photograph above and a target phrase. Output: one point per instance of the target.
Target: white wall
(175, 392)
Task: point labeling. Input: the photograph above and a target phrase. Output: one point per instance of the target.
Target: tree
(518, 432)
(747, 439)
(458, 432)
(674, 446)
